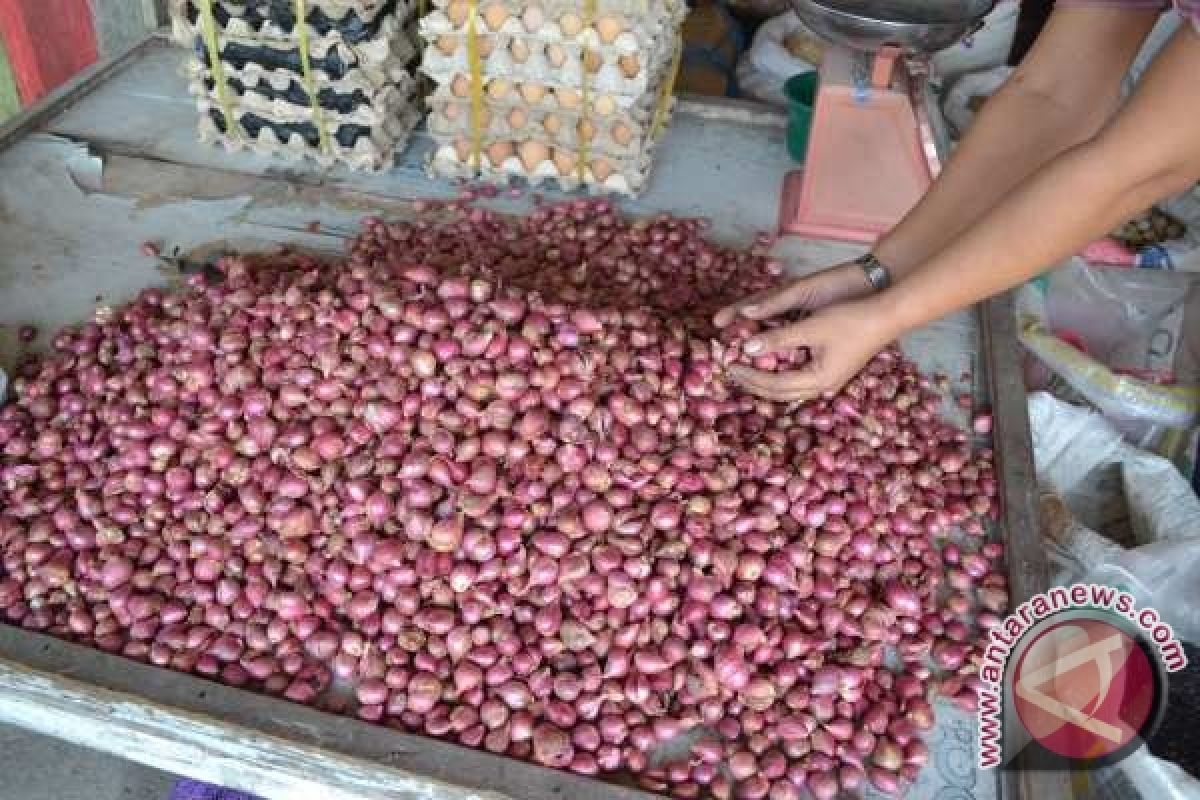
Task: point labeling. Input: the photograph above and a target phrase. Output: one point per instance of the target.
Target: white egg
(533, 19)
(570, 23)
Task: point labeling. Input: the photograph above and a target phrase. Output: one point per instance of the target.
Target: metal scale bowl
(876, 139)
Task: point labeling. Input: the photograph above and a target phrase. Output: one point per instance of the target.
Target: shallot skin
(489, 473)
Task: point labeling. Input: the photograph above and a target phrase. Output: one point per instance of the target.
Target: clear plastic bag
(1098, 331)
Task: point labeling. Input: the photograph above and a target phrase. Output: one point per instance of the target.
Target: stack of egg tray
(327, 79)
(558, 92)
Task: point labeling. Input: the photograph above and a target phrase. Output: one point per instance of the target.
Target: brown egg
(552, 123)
(485, 45)
(570, 23)
(629, 64)
(586, 130)
(601, 168)
(519, 51)
(457, 12)
(621, 133)
(592, 61)
(447, 44)
(609, 28)
(462, 149)
(533, 19)
(555, 55)
(460, 86)
(565, 161)
(533, 93)
(604, 105)
(451, 112)
(495, 16)
(568, 98)
(517, 118)
(485, 118)
(497, 152)
(532, 153)
(498, 88)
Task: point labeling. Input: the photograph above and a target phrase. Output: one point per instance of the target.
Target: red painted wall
(48, 42)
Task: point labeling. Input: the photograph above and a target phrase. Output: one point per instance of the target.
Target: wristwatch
(877, 273)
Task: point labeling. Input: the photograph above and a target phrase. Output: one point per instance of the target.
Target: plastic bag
(1096, 330)
(782, 47)
(1140, 775)
(967, 95)
(986, 48)
(1070, 444)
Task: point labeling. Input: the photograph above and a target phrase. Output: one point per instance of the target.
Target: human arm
(1150, 150)
(1063, 92)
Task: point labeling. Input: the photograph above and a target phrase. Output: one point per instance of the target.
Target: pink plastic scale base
(864, 170)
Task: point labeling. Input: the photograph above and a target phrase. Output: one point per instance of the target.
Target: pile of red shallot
(485, 480)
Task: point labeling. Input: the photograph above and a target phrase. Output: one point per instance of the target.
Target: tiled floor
(38, 768)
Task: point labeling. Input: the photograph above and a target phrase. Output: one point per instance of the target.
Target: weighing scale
(876, 140)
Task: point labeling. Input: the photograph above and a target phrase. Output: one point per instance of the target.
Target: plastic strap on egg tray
(476, 68)
(310, 85)
(209, 30)
(589, 15)
(666, 91)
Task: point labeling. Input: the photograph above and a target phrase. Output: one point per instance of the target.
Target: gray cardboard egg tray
(393, 44)
(273, 28)
(367, 80)
(541, 66)
(384, 103)
(376, 151)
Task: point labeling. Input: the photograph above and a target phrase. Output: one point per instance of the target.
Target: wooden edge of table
(276, 749)
(1020, 523)
(73, 90)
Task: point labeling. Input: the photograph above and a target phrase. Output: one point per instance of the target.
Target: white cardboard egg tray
(620, 133)
(394, 45)
(538, 96)
(271, 28)
(386, 102)
(610, 72)
(376, 151)
(561, 22)
(628, 179)
(540, 162)
(553, 8)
